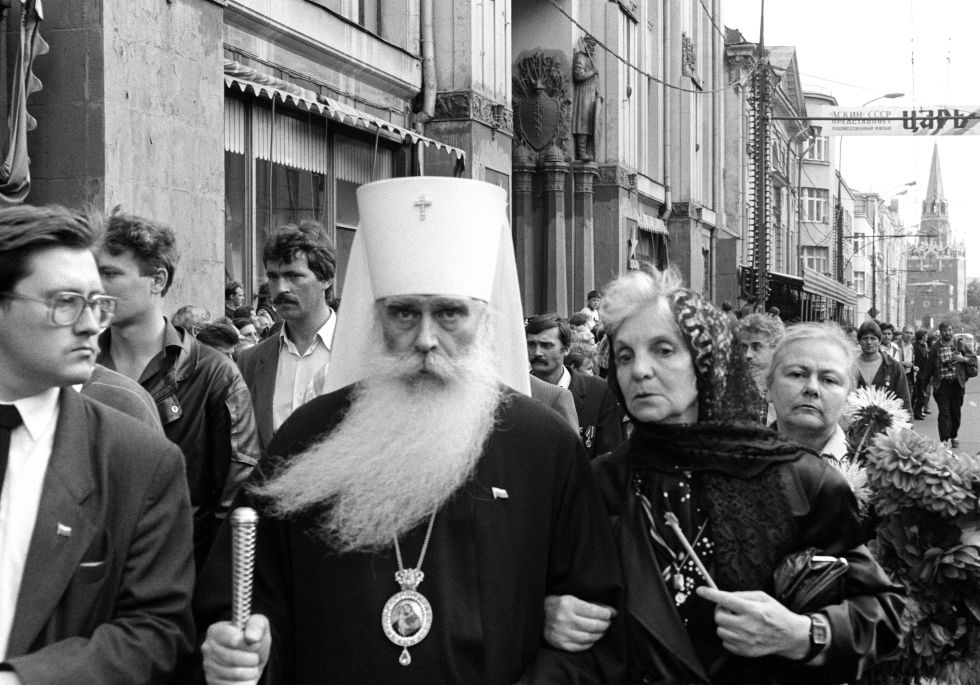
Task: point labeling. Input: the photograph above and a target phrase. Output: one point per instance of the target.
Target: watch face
(819, 633)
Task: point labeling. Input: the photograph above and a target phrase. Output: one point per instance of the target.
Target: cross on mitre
(422, 203)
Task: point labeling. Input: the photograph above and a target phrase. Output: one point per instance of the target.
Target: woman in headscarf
(743, 498)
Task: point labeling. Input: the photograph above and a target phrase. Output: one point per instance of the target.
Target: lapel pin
(64, 531)
(499, 493)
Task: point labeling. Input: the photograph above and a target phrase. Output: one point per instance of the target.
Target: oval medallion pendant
(406, 620)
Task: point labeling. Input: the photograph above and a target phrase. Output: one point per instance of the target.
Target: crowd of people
(449, 490)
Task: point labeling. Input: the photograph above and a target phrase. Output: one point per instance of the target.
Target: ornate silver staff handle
(244, 521)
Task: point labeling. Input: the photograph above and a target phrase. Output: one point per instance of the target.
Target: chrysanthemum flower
(906, 469)
(877, 406)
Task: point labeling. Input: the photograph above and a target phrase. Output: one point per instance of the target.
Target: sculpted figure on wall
(587, 99)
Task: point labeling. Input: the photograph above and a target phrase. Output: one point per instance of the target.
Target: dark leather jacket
(206, 410)
(790, 506)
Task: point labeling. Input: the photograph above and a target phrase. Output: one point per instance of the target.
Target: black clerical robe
(529, 524)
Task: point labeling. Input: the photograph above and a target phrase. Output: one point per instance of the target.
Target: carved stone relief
(689, 58)
(466, 104)
(541, 106)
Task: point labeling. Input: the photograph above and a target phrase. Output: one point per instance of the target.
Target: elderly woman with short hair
(810, 376)
(743, 499)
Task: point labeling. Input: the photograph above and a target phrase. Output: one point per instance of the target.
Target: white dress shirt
(27, 464)
(836, 445)
(566, 378)
(300, 376)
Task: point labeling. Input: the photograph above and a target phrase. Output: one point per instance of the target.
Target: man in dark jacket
(202, 400)
(950, 365)
(878, 369)
(920, 393)
(600, 416)
(96, 571)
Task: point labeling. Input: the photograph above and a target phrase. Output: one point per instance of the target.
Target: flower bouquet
(926, 498)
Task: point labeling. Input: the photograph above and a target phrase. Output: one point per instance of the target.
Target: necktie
(9, 419)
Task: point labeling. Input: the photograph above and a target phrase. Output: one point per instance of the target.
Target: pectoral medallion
(407, 615)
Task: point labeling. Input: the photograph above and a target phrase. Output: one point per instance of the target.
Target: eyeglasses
(67, 307)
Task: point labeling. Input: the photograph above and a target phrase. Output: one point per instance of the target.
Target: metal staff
(675, 526)
(243, 523)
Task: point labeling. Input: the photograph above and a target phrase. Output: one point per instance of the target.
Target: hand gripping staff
(243, 524)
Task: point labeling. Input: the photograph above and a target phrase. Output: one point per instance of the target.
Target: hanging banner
(942, 120)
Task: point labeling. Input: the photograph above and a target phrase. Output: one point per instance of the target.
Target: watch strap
(817, 623)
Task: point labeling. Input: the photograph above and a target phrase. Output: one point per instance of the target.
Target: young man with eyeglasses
(202, 400)
(96, 565)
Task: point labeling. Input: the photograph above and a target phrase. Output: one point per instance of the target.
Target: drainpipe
(428, 64)
(667, 208)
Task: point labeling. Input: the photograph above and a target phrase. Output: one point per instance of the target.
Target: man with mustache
(96, 567)
(600, 417)
(199, 393)
(426, 475)
(288, 369)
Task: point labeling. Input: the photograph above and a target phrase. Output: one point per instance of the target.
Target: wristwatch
(819, 636)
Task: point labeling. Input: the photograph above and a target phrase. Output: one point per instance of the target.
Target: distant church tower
(936, 268)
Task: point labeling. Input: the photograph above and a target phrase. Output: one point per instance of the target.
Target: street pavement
(969, 435)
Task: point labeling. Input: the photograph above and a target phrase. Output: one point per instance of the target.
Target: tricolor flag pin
(499, 493)
(64, 531)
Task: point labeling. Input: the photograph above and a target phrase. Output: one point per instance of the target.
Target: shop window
(286, 166)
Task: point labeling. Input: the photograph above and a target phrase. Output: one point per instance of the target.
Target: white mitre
(430, 235)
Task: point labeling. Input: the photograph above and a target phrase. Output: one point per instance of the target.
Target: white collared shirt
(906, 352)
(836, 445)
(566, 378)
(300, 376)
(27, 464)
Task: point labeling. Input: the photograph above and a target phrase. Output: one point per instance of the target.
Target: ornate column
(522, 223)
(583, 234)
(556, 272)
(541, 112)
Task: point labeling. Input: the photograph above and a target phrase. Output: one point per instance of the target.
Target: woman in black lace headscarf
(743, 497)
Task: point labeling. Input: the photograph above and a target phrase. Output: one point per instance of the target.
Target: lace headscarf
(708, 333)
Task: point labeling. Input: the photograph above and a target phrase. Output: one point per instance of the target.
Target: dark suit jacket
(600, 417)
(107, 584)
(258, 365)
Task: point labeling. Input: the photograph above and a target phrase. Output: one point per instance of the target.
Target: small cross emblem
(422, 203)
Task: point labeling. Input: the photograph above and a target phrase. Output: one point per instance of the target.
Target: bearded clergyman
(413, 520)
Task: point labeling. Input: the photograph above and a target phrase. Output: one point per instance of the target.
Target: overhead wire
(641, 72)
(712, 20)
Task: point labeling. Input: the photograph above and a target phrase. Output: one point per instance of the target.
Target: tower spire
(934, 192)
(934, 223)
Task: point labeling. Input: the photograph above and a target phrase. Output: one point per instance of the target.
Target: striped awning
(247, 79)
(816, 283)
(652, 224)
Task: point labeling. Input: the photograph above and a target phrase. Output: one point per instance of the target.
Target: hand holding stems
(750, 624)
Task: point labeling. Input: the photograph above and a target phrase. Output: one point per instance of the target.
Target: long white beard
(407, 443)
